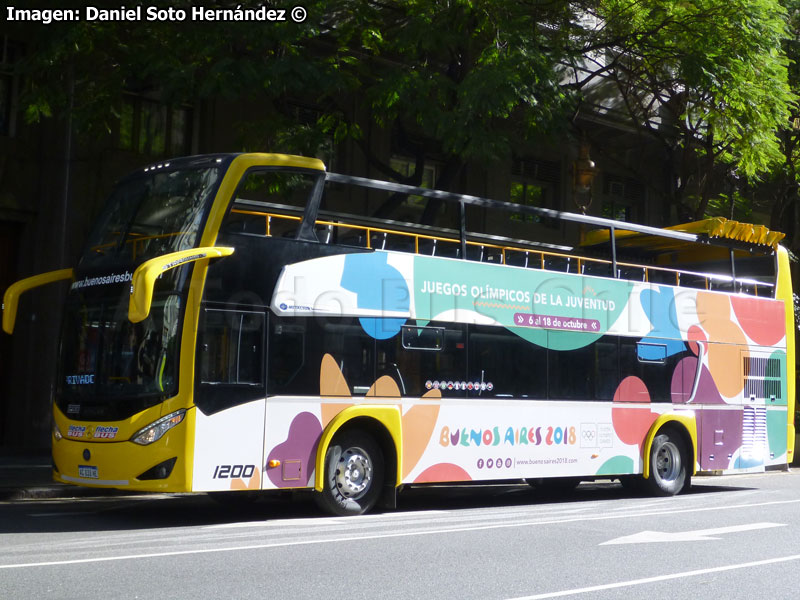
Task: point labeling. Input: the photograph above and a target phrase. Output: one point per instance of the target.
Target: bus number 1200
(234, 471)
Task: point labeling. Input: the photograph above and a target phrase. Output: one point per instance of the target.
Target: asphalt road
(730, 537)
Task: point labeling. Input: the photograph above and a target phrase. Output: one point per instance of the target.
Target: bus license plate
(88, 472)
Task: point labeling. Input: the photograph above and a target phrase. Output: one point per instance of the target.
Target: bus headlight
(56, 432)
(154, 431)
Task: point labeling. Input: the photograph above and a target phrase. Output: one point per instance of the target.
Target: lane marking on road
(411, 517)
(444, 516)
(697, 535)
(658, 578)
(376, 536)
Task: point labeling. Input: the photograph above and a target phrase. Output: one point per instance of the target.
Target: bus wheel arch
(669, 458)
(357, 466)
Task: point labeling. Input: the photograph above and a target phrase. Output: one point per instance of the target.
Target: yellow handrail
(580, 260)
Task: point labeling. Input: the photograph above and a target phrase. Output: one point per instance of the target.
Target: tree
(457, 81)
(783, 183)
(95, 62)
(707, 79)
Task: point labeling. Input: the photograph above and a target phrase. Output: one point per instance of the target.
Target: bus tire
(668, 464)
(353, 474)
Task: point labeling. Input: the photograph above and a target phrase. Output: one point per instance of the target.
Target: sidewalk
(29, 475)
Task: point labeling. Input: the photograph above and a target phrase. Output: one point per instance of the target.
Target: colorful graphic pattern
(302, 439)
(361, 271)
(718, 341)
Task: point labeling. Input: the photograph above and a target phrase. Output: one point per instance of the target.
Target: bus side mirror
(15, 290)
(145, 275)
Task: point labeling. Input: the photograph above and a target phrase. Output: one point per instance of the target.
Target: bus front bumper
(159, 467)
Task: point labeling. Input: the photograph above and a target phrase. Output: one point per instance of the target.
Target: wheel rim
(668, 462)
(354, 473)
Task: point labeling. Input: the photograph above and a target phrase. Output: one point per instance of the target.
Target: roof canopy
(717, 228)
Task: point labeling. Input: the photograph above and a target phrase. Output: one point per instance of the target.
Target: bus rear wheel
(353, 474)
(668, 465)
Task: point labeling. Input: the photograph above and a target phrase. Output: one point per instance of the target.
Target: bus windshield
(109, 360)
(155, 213)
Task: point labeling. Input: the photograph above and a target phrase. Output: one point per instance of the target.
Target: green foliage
(86, 66)
(706, 77)
(714, 66)
(464, 75)
(720, 206)
(457, 80)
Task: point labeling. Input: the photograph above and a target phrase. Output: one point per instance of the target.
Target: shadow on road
(154, 511)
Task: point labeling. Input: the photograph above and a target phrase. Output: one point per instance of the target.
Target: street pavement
(731, 537)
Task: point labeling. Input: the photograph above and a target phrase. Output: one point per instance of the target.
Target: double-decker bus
(239, 322)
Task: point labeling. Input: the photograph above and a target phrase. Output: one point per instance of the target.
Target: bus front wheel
(353, 474)
(668, 465)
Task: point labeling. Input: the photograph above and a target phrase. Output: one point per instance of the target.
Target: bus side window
(606, 378)
(504, 365)
(352, 349)
(571, 373)
(287, 355)
(422, 338)
(231, 347)
(424, 358)
(297, 346)
(230, 358)
(578, 374)
(649, 361)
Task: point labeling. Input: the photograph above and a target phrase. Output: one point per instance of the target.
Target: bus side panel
(776, 451)
(501, 439)
(719, 437)
(229, 449)
(292, 433)
(472, 440)
(701, 348)
(742, 438)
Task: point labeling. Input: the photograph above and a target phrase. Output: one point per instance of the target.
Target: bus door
(230, 395)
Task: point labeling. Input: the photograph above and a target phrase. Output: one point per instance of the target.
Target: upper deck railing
(347, 231)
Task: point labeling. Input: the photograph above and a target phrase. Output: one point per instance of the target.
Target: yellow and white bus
(238, 322)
